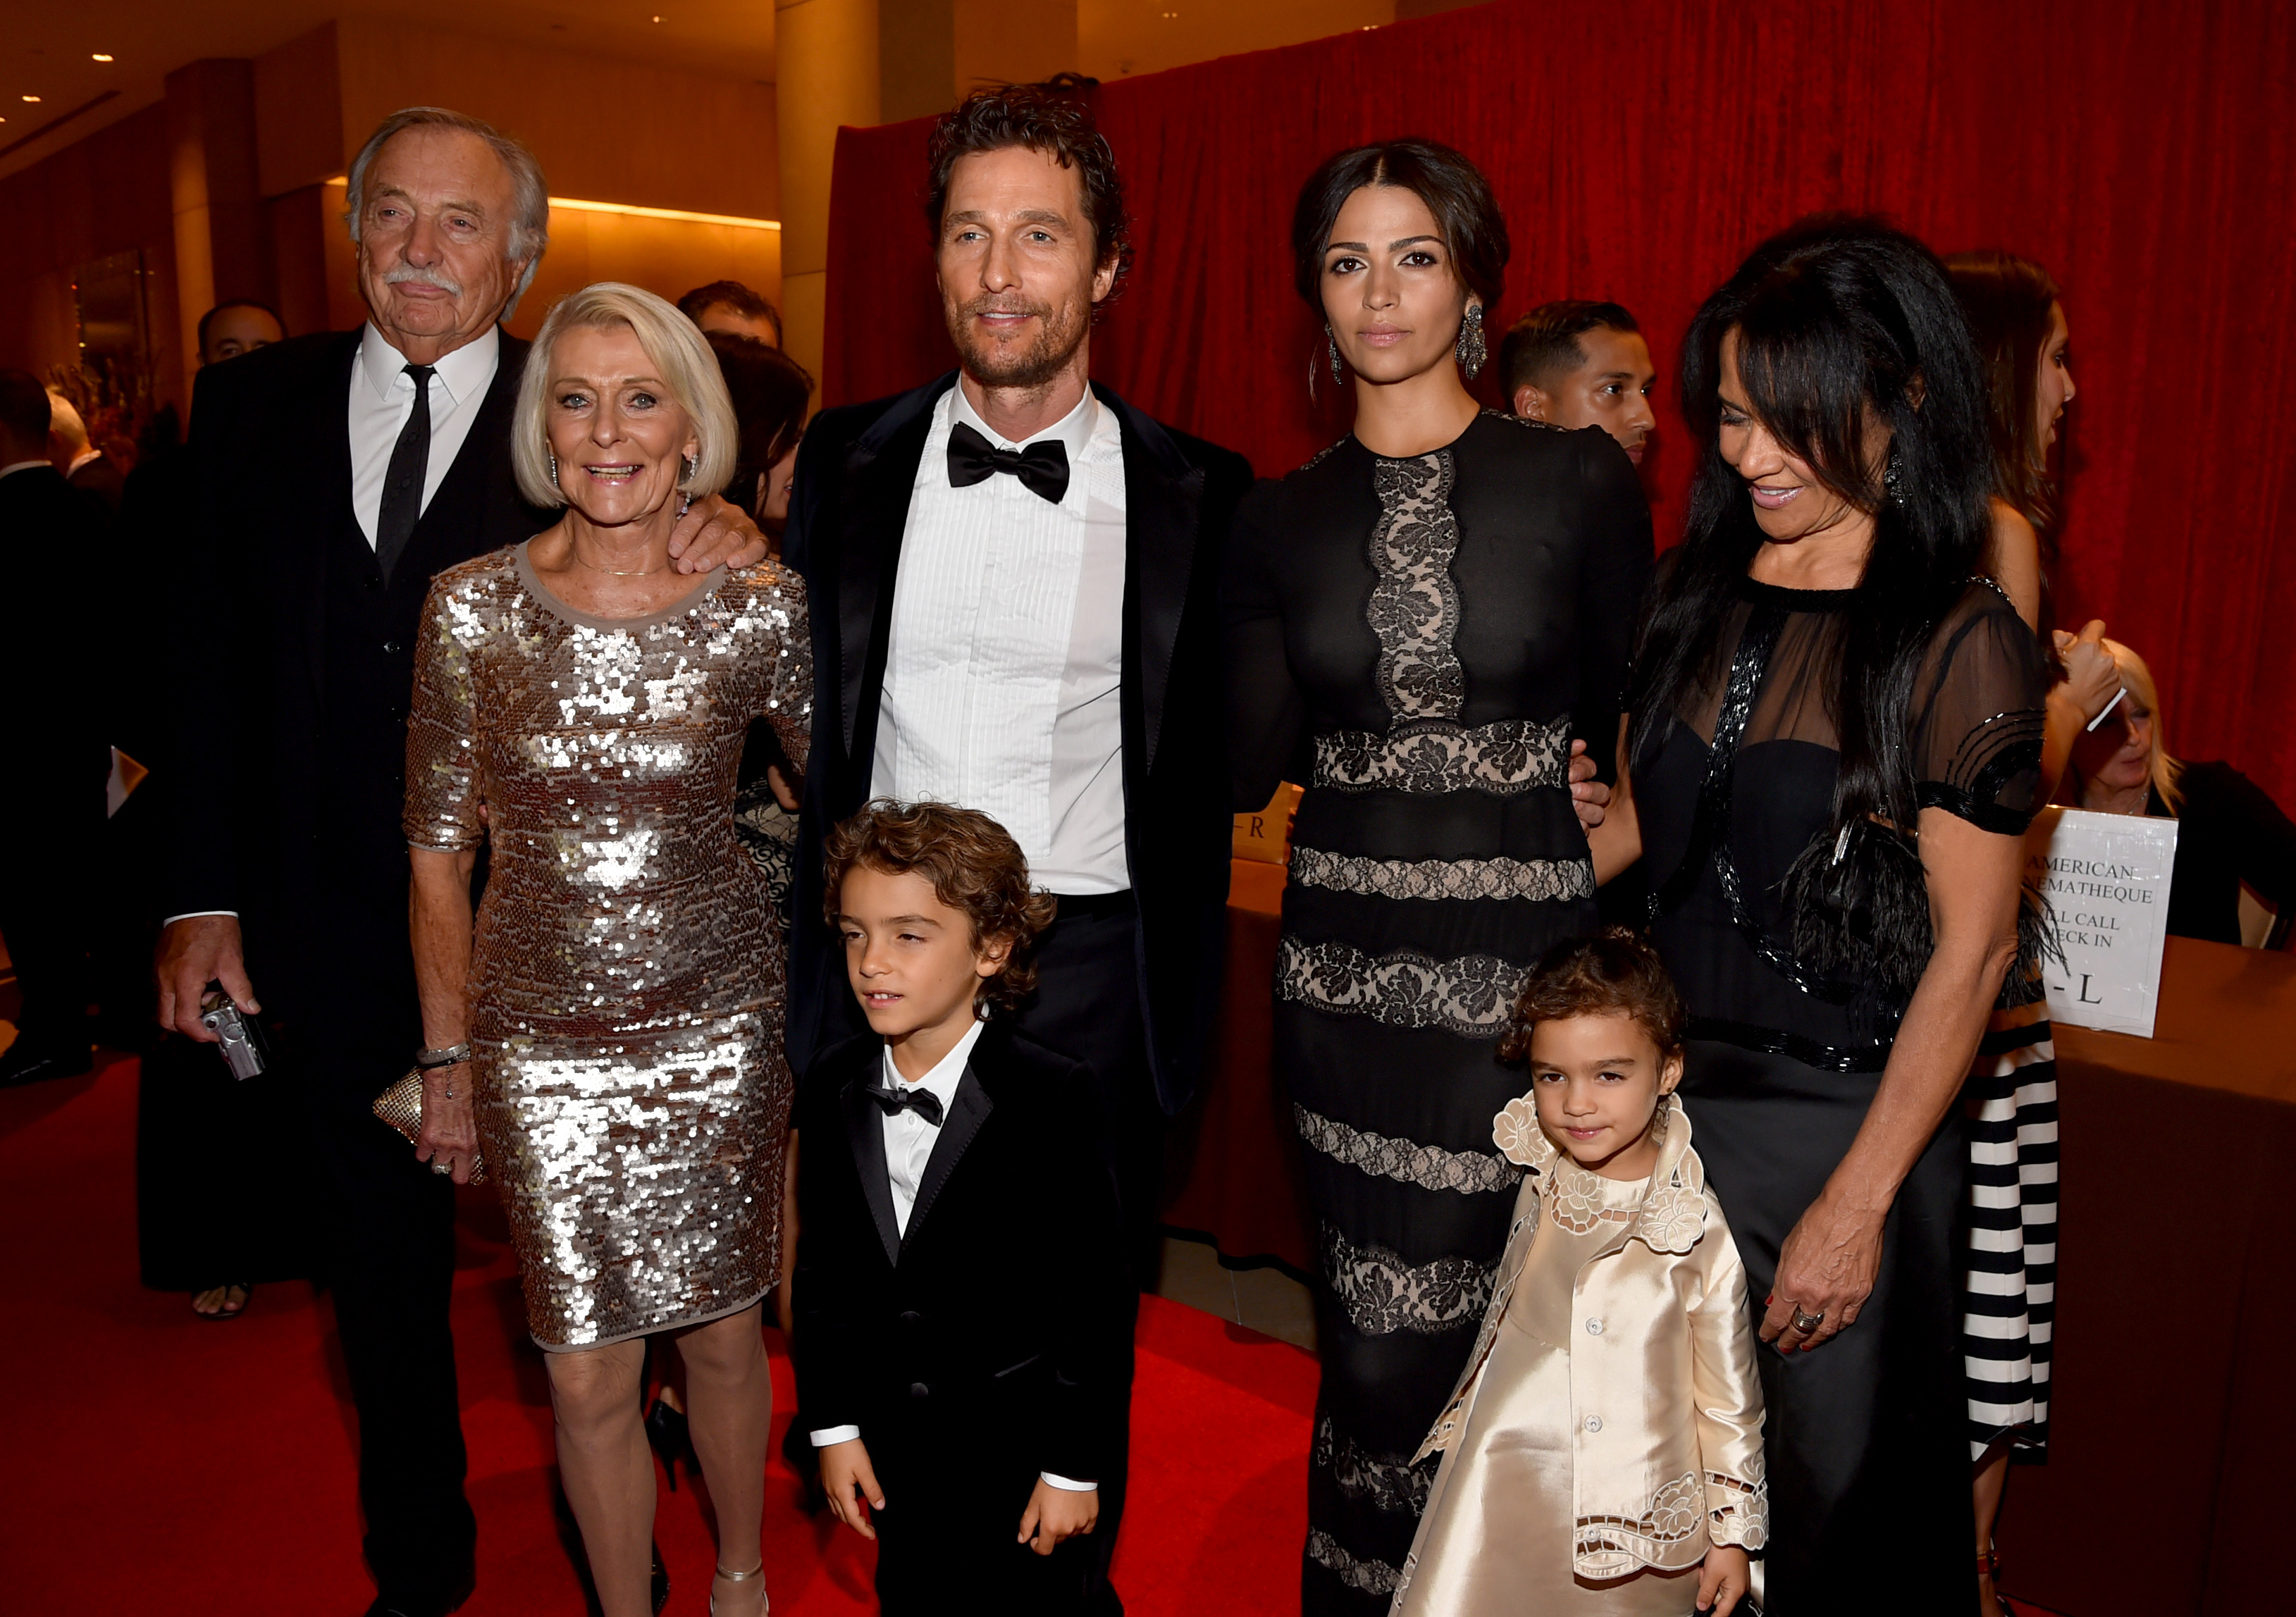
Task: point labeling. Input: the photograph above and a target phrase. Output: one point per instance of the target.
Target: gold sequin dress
(628, 976)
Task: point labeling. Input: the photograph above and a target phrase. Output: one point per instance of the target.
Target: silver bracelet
(428, 1060)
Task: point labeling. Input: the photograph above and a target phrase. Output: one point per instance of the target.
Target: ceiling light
(32, 98)
(101, 56)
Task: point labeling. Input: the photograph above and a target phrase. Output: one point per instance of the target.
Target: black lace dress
(1867, 1436)
(1417, 642)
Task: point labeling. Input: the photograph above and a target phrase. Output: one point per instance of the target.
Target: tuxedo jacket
(292, 657)
(52, 659)
(848, 513)
(1000, 1320)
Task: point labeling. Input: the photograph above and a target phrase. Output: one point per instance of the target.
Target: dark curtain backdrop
(2142, 151)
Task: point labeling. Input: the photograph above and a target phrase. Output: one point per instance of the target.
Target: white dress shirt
(383, 396)
(1004, 674)
(909, 1141)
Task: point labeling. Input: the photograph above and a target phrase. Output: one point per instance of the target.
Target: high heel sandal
(758, 1570)
(670, 1435)
(1989, 1566)
(659, 1586)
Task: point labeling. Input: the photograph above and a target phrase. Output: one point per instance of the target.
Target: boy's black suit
(990, 1342)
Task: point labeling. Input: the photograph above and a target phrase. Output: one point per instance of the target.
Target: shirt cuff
(1066, 1483)
(833, 1434)
(189, 915)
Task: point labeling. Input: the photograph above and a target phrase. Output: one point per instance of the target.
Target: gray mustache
(420, 275)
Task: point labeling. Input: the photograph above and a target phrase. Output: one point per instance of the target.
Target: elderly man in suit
(329, 477)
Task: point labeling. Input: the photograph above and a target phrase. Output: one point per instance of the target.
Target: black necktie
(905, 1097)
(402, 485)
(1043, 467)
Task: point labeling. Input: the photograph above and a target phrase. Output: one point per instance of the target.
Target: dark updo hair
(1615, 973)
(770, 391)
(2008, 300)
(1053, 119)
(1474, 231)
(974, 866)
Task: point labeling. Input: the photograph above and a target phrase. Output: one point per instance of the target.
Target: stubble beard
(1060, 331)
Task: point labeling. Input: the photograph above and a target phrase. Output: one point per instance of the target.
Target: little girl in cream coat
(1603, 1453)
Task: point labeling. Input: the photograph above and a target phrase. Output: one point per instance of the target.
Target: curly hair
(1053, 119)
(1614, 972)
(974, 866)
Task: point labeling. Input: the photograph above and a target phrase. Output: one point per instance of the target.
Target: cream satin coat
(1676, 1463)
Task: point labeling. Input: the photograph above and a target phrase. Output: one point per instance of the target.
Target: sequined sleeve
(442, 785)
(789, 695)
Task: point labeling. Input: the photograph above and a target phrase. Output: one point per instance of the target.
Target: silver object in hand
(1807, 1323)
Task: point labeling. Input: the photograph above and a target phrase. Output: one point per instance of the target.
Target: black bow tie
(905, 1097)
(1043, 467)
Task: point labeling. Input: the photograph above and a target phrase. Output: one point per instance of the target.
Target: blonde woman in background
(607, 1028)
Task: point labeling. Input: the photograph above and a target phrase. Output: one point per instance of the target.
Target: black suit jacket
(847, 517)
(263, 497)
(51, 659)
(1005, 1313)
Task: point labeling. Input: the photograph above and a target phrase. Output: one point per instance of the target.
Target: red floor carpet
(157, 1462)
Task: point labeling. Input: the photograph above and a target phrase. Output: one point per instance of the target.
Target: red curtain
(2140, 151)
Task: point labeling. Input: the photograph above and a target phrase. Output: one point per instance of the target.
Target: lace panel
(1505, 759)
(1676, 1511)
(1471, 996)
(1531, 879)
(1383, 1294)
(1429, 1167)
(1413, 608)
(1745, 1522)
(1371, 1577)
(1391, 1484)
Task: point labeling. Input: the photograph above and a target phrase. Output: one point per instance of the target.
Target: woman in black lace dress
(1432, 610)
(1835, 742)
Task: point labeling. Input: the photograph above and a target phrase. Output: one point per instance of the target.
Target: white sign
(2105, 877)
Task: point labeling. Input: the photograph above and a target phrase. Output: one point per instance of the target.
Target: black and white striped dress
(1434, 630)
(2009, 1315)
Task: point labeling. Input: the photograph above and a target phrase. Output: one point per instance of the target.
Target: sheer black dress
(1867, 1436)
(1418, 642)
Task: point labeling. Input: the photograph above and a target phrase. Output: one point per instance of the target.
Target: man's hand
(845, 1471)
(715, 533)
(450, 1126)
(1058, 1513)
(194, 951)
(1722, 1580)
(1589, 796)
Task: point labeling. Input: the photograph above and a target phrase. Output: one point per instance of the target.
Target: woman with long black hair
(1835, 734)
(1432, 608)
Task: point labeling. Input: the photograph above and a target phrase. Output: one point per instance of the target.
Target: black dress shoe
(36, 1064)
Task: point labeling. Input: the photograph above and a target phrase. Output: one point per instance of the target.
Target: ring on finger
(1807, 1323)
(439, 1165)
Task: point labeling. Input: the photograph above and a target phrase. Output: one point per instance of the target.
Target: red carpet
(157, 1461)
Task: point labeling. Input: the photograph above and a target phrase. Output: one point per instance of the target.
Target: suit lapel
(864, 1128)
(968, 1109)
(1163, 498)
(879, 475)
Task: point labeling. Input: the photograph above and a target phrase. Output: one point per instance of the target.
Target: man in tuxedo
(52, 813)
(328, 478)
(1012, 574)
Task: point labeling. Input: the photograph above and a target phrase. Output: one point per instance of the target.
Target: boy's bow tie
(919, 1099)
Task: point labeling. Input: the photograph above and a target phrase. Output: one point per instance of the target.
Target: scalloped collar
(1672, 1216)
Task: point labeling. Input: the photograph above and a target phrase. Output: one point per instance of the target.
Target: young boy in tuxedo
(964, 1310)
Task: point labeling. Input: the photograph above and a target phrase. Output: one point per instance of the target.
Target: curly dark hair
(1052, 118)
(974, 866)
(1614, 972)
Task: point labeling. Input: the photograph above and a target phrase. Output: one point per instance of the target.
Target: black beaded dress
(1418, 642)
(1867, 1436)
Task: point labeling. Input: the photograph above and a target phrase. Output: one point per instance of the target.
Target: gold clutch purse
(401, 1107)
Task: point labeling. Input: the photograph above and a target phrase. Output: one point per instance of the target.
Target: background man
(1012, 576)
(1578, 363)
(729, 306)
(328, 478)
(52, 813)
(230, 330)
(73, 454)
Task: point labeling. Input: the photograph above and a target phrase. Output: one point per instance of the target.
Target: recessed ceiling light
(31, 98)
(101, 56)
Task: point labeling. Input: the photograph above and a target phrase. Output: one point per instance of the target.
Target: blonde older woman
(607, 1033)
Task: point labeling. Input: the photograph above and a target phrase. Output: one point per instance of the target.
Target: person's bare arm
(1616, 840)
(2013, 560)
(1831, 1256)
(715, 533)
(438, 924)
(2092, 680)
(194, 951)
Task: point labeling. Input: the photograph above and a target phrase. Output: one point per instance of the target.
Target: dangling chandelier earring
(554, 466)
(1331, 346)
(691, 464)
(1893, 477)
(1471, 352)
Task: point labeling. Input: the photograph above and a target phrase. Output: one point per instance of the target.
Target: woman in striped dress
(1434, 609)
